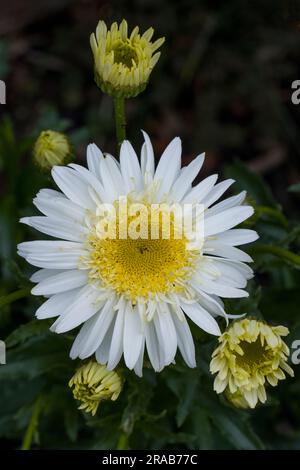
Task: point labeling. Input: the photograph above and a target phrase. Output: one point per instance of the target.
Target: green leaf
(71, 420)
(185, 388)
(203, 430)
(36, 357)
(138, 400)
(236, 430)
(286, 256)
(24, 332)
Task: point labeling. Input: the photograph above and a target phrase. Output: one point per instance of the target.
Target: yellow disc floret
(142, 267)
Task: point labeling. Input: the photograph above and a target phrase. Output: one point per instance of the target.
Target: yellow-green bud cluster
(92, 383)
(52, 148)
(123, 62)
(250, 354)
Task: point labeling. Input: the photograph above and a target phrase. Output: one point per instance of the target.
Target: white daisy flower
(129, 295)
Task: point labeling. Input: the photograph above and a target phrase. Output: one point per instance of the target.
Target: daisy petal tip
(25, 220)
(35, 290)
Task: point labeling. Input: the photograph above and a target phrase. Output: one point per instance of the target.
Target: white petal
(102, 352)
(42, 247)
(138, 368)
(55, 261)
(237, 236)
(46, 193)
(60, 207)
(112, 179)
(229, 275)
(166, 333)
(52, 254)
(57, 227)
(216, 248)
(83, 307)
(152, 346)
(130, 168)
(218, 288)
(226, 220)
(98, 328)
(56, 305)
(114, 169)
(82, 337)
(243, 268)
(91, 181)
(226, 204)
(116, 346)
(61, 282)
(168, 167)
(201, 317)
(72, 186)
(185, 341)
(94, 156)
(199, 192)
(217, 192)
(183, 183)
(211, 303)
(147, 158)
(133, 336)
(42, 274)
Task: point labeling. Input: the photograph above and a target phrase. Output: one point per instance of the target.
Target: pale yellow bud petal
(52, 148)
(122, 62)
(92, 383)
(249, 354)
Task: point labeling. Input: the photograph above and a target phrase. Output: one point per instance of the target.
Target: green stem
(32, 425)
(273, 213)
(276, 251)
(18, 294)
(120, 121)
(123, 442)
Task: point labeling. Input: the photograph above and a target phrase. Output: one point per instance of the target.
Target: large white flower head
(135, 293)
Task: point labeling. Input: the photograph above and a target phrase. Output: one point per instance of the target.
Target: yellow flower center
(255, 355)
(142, 267)
(124, 53)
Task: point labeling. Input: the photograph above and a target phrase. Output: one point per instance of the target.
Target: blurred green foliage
(223, 85)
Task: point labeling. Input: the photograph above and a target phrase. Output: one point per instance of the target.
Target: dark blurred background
(223, 82)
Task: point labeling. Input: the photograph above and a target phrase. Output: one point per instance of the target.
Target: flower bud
(52, 148)
(123, 62)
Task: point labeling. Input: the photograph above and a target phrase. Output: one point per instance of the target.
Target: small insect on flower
(250, 354)
(123, 62)
(92, 383)
(52, 148)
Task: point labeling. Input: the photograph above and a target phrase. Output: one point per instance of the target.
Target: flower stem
(18, 294)
(120, 121)
(123, 442)
(276, 251)
(32, 425)
(273, 213)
